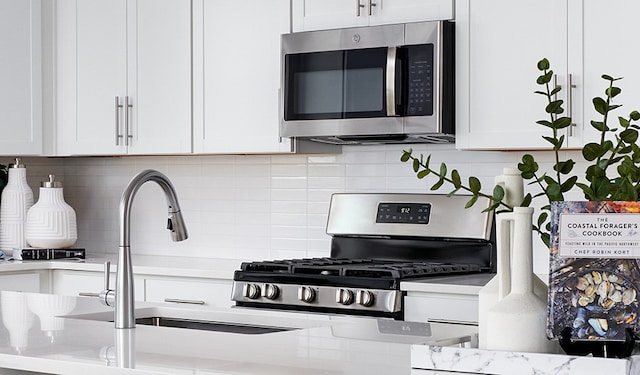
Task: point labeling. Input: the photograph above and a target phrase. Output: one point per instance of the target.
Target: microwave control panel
(420, 80)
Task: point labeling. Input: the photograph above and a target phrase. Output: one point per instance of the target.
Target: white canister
(51, 222)
(17, 198)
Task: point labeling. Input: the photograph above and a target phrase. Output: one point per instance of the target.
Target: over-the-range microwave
(377, 84)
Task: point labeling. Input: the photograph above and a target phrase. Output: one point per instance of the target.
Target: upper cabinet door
(91, 75)
(399, 11)
(239, 74)
(329, 14)
(608, 44)
(159, 76)
(20, 78)
(498, 44)
(335, 14)
(123, 77)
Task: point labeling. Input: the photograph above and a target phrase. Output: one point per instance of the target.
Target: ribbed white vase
(17, 198)
(51, 222)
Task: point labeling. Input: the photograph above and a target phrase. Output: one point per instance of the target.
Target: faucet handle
(107, 271)
(107, 296)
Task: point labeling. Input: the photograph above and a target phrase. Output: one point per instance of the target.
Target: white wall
(249, 207)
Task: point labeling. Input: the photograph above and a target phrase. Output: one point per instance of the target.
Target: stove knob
(270, 291)
(365, 298)
(344, 296)
(306, 294)
(251, 291)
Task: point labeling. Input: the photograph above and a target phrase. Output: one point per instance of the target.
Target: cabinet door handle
(570, 87)
(128, 135)
(117, 111)
(358, 8)
(186, 301)
(390, 90)
(371, 5)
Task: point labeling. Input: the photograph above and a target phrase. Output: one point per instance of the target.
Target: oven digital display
(404, 213)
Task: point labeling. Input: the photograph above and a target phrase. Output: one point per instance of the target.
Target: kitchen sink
(248, 329)
(209, 320)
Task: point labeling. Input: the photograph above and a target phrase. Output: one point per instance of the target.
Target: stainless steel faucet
(124, 296)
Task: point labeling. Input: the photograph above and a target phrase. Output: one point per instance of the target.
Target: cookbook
(594, 273)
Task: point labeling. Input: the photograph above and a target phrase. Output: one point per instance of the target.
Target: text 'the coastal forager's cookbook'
(594, 273)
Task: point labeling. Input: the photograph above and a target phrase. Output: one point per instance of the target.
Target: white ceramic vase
(51, 222)
(17, 198)
(513, 185)
(517, 322)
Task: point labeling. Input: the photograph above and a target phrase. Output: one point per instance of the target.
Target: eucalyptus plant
(612, 175)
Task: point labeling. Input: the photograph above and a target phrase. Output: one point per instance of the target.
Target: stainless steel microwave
(377, 84)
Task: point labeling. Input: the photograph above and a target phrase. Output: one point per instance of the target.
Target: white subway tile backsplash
(252, 206)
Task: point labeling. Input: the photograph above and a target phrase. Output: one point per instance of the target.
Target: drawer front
(194, 291)
(443, 307)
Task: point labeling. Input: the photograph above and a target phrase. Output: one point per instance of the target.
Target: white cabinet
(75, 283)
(496, 68)
(32, 282)
(609, 53)
(150, 288)
(206, 292)
(123, 79)
(20, 78)
(237, 75)
(330, 14)
(498, 44)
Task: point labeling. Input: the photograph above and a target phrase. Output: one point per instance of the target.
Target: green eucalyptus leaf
(498, 193)
(568, 184)
(437, 185)
(562, 122)
(554, 107)
(591, 151)
(564, 167)
(423, 173)
(614, 106)
(416, 165)
(607, 77)
(545, 123)
(474, 185)
(443, 169)
(543, 64)
(555, 90)
(635, 115)
(612, 91)
(624, 122)
(554, 192)
(406, 155)
(527, 200)
(542, 218)
(629, 135)
(455, 178)
(471, 201)
(600, 187)
(600, 105)
(599, 126)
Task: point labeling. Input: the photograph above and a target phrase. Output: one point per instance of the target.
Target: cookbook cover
(594, 273)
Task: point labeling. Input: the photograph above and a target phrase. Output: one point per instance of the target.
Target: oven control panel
(404, 213)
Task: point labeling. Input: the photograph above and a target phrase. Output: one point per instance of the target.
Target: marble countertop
(477, 361)
(34, 337)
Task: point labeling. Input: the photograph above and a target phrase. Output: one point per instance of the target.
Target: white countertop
(142, 264)
(457, 284)
(32, 339)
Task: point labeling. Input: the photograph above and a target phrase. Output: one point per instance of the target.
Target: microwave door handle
(390, 91)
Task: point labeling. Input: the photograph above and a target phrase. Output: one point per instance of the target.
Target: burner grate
(358, 268)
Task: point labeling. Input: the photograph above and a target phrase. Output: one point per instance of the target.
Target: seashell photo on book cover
(594, 272)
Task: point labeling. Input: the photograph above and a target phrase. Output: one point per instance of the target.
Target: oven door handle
(390, 82)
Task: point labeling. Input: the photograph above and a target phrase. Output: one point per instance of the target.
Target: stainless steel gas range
(378, 240)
